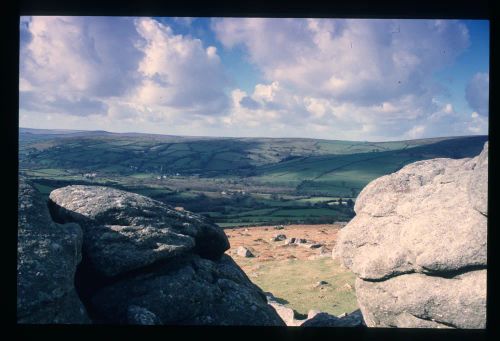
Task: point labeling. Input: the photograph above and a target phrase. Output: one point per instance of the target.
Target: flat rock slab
(124, 231)
(47, 257)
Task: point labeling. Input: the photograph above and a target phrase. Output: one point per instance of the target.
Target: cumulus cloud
(249, 103)
(416, 132)
(110, 65)
(178, 71)
(362, 61)
(376, 74)
(274, 109)
(340, 79)
(477, 93)
(77, 55)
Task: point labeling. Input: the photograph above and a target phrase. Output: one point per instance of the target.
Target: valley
(233, 181)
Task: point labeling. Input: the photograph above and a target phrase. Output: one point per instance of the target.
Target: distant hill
(308, 165)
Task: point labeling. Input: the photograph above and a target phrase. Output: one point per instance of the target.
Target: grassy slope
(293, 280)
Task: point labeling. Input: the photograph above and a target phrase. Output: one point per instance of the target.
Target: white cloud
(178, 71)
(341, 79)
(119, 67)
(271, 105)
(416, 132)
(478, 124)
(350, 74)
(477, 93)
(353, 60)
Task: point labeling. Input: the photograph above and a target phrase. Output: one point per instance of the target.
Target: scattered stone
(322, 253)
(320, 284)
(354, 319)
(279, 227)
(244, 252)
(279, 237)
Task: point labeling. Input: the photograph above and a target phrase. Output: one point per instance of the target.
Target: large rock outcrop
(146, 263)
(418, 245)
(125, 231)
(47, 257)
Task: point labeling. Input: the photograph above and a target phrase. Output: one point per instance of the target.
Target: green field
(234, 181)
(293, 281)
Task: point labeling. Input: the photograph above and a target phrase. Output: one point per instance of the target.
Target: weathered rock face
(125, 231)
(47, 258)
(418, 245)
(478, 183)
(186, 291)
(148, 263)
(418, 300)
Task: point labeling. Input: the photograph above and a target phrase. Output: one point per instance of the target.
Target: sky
(337, 79)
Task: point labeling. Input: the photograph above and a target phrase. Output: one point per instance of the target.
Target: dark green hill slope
(233, 180)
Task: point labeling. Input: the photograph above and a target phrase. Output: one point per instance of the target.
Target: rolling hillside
(230, 179)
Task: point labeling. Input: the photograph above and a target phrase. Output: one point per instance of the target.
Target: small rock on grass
(279, 237)
(244, 252)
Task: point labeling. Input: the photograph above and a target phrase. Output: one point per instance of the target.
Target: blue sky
(352, 79)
